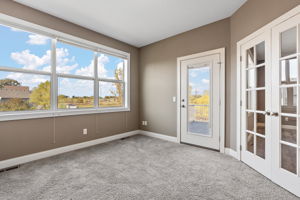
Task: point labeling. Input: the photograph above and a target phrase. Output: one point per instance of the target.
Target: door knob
(183, 106)
(267, 113)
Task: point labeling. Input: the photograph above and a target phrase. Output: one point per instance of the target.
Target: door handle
(267, 113)
(274, 114)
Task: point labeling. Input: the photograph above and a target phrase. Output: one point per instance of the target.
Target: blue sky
(199, 80)
(26, 50)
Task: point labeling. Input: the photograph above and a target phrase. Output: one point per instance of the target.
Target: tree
(9, 82)
(40, 96)
(14, 105)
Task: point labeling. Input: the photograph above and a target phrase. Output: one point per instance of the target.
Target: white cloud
(205, 81)
(28, 79)
(193, 74)
(35, 39)
(29, 60)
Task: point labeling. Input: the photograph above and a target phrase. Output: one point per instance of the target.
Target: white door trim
(260, 31)
(220, 51)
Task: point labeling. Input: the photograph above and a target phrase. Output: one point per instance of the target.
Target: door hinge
(241, 58)
(241, 103)
(241, 148)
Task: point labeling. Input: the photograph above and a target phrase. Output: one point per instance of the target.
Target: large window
(55, 74)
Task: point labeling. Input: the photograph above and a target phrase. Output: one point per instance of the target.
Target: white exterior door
(256, 106)
(200, 101)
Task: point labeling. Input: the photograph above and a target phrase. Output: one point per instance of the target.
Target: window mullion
(96, 81)
(54, 80)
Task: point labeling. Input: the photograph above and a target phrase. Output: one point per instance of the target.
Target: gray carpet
(138, 168)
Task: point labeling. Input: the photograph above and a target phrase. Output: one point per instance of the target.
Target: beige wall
(29, 136)
(158, 69)
(158, 63)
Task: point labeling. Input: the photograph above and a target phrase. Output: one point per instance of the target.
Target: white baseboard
(44, 154)
(231, 153)
(159, 136)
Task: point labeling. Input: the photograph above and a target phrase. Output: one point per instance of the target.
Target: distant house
(10, 92)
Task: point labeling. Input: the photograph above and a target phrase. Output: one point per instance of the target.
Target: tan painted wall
(158, 63)
(29, 136)
(158, 72)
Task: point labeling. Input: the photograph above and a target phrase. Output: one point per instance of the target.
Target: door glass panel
(199, 100)
(251, 78)
(250, 57)
(289, 71)
(260, 100)
(260, 123)
(250, 142)
(250, 100)
(289, 158)
(250, 121)
(289, 42)
(289, 129)
(260, 74)
(260, 147)
(260, 53)
(289, 100)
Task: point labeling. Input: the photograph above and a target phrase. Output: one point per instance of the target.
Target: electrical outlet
(145, 123)
(85, 131)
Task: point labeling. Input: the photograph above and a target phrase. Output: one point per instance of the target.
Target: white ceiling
(138, 22)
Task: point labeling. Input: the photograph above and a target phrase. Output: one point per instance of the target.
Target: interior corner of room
(143, 99)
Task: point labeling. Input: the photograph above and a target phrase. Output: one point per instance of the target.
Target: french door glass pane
(260, 53)
(289, 72)
(250, 142)
(250, 100)
(250, 57)
(289, 158)
(260, 74)
(260, 123)
(289, 42)
(260, 100)
(260, 147)
(289, 129)
(250, 121)
(289, 100)
(199, 100)
(251, 78)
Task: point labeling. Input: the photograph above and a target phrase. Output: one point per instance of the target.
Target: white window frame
(76, 41)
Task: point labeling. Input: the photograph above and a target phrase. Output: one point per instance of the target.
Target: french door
(285, 90)
(200, 100)
(270, 137)
(256, 106)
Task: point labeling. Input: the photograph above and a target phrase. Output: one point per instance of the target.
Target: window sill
(19, 115)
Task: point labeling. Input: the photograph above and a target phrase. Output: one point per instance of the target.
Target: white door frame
(239, 102)
(220, 51)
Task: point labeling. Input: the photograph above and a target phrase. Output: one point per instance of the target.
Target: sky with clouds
(26, 50)
(199, 80)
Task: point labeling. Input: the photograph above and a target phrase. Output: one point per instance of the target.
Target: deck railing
(199, 113)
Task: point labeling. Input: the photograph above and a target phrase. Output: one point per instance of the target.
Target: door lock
(183, 106)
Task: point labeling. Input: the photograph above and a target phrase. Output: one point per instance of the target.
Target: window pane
(250, 100)
(289, 158)
(111, 67)
(260, 100)
(75, 93)
(21, 49)
(260, 53)
(250, 121)
(20, 91)
(289, 71)
(260, 76)
(260, 147)
(250, 57)
(251, 78)
(111, 94)
(289, 42)
(260, 123)
(289, 100)
(74, 60)
(250, 142)
(289, 129)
